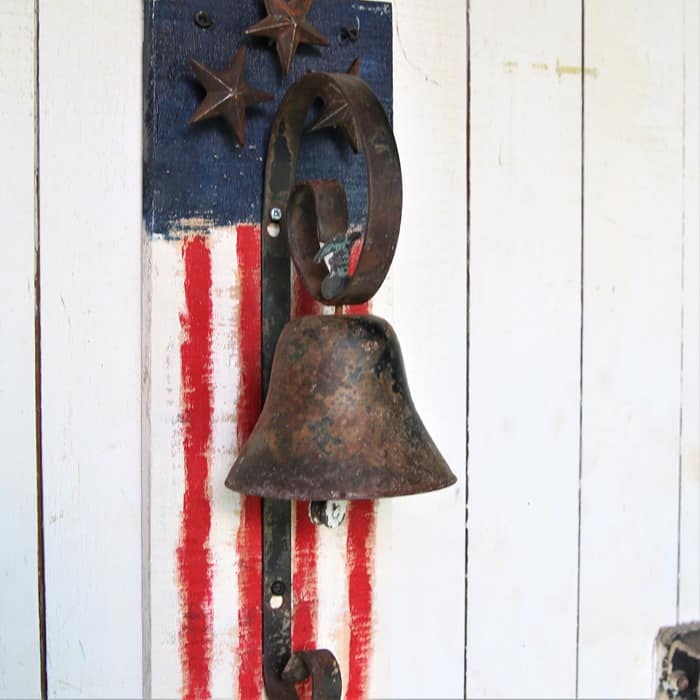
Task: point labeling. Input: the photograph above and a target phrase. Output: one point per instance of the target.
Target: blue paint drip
(199, 170)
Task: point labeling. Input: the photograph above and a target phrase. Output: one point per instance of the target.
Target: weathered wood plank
(633, 189)
(420, 545)
(90, 148)
(689, 550)
(19, 614)
(524, 359)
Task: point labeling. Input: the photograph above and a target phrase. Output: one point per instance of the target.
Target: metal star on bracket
(337, 114)
(287, 25)
(228, 94)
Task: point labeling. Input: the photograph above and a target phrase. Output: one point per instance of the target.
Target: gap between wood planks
(580, 385)
(41, 577)
(468, 307)
(682, 338)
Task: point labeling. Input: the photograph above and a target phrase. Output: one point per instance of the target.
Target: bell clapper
(328, 513)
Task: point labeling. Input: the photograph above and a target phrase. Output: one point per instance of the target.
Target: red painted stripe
(360, 571)
(249, 538)
(194, 561)
(360, 309)
(305, 587)
(303, 304)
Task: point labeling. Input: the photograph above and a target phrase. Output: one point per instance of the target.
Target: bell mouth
(338, 422)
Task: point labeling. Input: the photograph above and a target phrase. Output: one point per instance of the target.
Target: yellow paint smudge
(510, 66)
(575, 70)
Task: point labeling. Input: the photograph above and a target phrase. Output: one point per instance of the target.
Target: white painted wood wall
(563, 280)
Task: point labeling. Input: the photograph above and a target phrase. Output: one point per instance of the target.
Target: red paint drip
(360, 566)
(249, 538)
(193, 555)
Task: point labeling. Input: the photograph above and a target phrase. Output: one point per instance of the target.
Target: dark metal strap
(277, 598)
(350, 105)
(277, 575)
(322, 667)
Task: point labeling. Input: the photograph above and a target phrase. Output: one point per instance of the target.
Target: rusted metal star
(287, 25)
(337, 113)
(228, 94)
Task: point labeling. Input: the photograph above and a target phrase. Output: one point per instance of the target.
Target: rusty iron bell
(338, 421)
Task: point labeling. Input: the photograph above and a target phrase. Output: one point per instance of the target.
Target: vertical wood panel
(689, 532)
(426, 550)
(524, 369)
(631, 342)
(90, 147)
(19, 614)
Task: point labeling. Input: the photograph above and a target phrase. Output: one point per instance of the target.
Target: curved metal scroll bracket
(322, 667)
(309, 213)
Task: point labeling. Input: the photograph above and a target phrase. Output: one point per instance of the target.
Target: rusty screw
(202, 20)
(328, 513)
(679, 681)
(278, 588)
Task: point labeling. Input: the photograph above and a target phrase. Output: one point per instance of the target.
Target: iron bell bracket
(294, 220)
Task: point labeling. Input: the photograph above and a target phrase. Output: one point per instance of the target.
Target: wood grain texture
(19, 614)
(524, 364)
(689, 521)
(90, 147)
(421, 563)
(633, 229)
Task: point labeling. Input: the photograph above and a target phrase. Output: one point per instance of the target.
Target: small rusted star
(337, 113)
(287, 25)
(228, 94)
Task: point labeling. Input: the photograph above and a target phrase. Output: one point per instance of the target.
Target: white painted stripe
(333, 629)
(631, 351)
(19, 629)
(166, 463)
(225, 504)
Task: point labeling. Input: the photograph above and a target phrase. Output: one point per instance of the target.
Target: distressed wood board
(20, 657)
(90, 244)
(632, 302)
(524, 364)
(201, 211)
